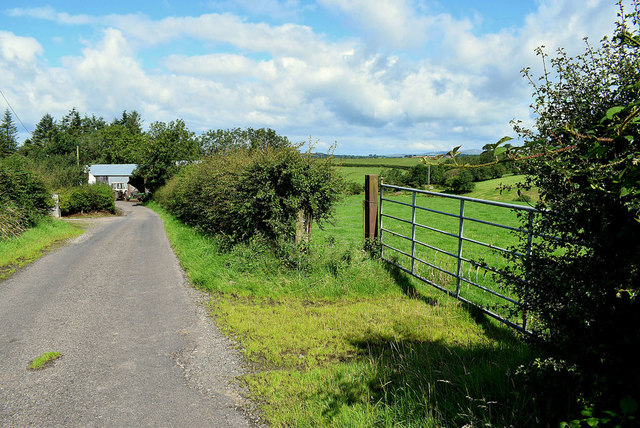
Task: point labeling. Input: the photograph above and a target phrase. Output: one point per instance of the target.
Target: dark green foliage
(60, 150)
(584, 270)
(8, 134)
(24, 196)
(86, 199)
(353, 188)
(115, 144)
(166, 147)
(57, 171)
(461, 182)
(437, 175)
(221, 140)
(44, 135)
(394, 176)
(132, 121)
(418, 175)
(243, 193)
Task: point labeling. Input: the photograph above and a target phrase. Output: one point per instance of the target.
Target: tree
(67, 135)
(72, 122)
(418, 175)
(460, 182)
(583, 273)
(92, 124)
(165, 148)
(43, 136)
(8, 135)
(132, 121)
(114, 143)
(45, 132)
(221, 140)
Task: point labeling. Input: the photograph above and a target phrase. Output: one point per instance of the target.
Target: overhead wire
(14, 113)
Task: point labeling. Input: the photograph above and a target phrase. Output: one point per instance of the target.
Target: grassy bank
(338, 339)
(32, 244)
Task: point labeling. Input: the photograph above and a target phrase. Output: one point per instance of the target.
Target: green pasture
(377, 162)
(357, 173)
(349, 227)
(490, 189)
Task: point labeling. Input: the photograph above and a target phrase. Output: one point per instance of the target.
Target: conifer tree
(8, 135)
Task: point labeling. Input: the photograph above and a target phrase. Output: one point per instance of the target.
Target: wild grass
(33, 243)
(342, 339)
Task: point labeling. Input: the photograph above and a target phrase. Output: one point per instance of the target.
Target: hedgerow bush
(247, 192)
(23, 196)
(583, 269)
(85, 199)
(353, 188)
(461, 182)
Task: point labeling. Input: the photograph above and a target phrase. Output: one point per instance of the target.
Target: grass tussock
(337, 338)
(44, 360)
(33, 243)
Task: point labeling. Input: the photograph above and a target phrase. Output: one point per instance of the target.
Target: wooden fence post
(303, 227)
(370, 206)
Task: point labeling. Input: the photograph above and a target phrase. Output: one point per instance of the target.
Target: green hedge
(85, 199)
(246, 192)
(24, 197)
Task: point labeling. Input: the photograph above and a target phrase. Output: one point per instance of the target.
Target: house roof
(112, 169)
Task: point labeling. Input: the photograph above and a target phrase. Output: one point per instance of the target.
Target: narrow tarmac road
(137, 346)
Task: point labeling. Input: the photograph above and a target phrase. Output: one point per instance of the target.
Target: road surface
(138, 348)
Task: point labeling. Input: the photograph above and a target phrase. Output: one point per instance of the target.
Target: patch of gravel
(211, 362)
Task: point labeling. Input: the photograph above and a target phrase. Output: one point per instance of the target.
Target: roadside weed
(41, 361)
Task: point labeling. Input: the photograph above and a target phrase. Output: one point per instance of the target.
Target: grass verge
(342, 340)
(33, 243)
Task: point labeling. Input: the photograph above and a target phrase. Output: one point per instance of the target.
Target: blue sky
(374, 76)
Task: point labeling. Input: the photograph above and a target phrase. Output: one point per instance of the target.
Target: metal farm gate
(456, 244)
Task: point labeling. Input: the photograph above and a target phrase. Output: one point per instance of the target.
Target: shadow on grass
(405, 283)
(491, 327)
(429, 383)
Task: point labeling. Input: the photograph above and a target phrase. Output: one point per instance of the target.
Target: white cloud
(50, 14)
(287, 9)
(292, 78)
(392, 22)
(19, 49)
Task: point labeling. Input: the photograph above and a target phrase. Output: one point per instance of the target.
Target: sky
(382, 77)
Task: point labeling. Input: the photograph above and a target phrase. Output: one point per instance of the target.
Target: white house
(115, 175)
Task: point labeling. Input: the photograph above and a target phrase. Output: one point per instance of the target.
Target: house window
(119, 186)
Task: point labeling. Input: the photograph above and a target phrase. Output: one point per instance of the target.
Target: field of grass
(32, 244)
(377, 162)
(357, 173)
(489, 189)
(343, 339)
(495, 238)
